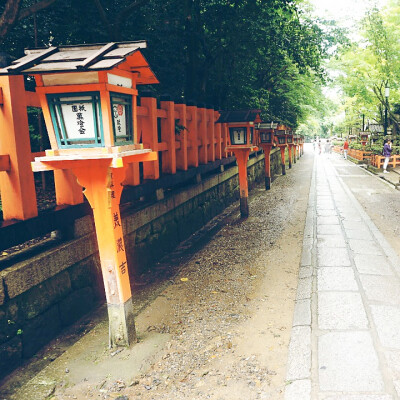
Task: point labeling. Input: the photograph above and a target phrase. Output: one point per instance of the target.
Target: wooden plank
(97, 56)
(34, 58)
(162, 146)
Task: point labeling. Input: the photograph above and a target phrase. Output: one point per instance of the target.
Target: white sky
(346, 12)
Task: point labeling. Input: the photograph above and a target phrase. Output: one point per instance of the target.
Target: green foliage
(366, 67)
(233, 54)
(356, 146)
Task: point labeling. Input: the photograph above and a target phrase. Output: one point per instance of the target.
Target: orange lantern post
(242, 136)
(296, 147)
(301, 144)
(88, 95)
(266, 140)
(281, 142)
(291, 147)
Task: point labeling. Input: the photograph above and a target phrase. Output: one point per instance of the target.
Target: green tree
(230, 53)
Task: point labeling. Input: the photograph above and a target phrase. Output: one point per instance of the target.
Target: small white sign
(119, 81)
(239, 135)
(119, 115)
(78, 117)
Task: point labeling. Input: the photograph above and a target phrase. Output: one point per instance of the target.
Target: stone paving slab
(348, 363)
(305, 272)
(387, 321)
(327, 213)
(298, 390)
(302, 313)
(385, 289)
(332, 220)
(363, 234)
(329, 230)
(350, 216)
(328, 258)
(393, 361)
(299, 358)
(304, 289)
(353, 225)
(341, 310)
(365, 247)
(336, 279)
(325, 206)
(372, 264)
(331, 241)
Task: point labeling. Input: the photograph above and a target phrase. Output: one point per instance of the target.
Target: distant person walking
(345, 149)
(328, 147)
(387, 152)
(319, 147)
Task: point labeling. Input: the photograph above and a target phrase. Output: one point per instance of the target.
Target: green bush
(377, 149)
(356, 146)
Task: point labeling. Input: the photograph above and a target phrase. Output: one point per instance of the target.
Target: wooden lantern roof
(85, 58)
(239, 116)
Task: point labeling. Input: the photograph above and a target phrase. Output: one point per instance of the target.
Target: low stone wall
(44, 294)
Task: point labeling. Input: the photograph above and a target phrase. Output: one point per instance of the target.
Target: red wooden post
(17, 185)
(202, 134)
(218, 137)
(282, 148)
(210, 134)
(225, 140)
(192, 125)
(267, 164)
(290, 155)
(148, 130)
(168, 136)
(242, 156)
(182, 137)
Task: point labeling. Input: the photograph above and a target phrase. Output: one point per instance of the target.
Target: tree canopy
(264, 54)
(369, 65)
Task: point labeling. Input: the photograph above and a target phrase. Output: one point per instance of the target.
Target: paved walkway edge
(298, 376)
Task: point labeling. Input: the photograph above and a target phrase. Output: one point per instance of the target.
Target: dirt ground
(217, 329)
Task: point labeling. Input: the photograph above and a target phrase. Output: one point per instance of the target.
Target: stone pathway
(345, 342)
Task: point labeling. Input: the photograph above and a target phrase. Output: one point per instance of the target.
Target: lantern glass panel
(76, 119)
(251, 135)
(238, 135)
(266, 137)
(290, 139)
(122, 118)
(281, 139)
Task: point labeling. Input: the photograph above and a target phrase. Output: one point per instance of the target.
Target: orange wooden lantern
(242, 135)
(290, 140)
(267, 141)
(281, 142)
(88, 96)
(296, 147)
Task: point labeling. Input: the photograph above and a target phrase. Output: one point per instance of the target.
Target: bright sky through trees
(346, 12)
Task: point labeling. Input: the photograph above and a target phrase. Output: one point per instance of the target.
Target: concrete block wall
(44, 294)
